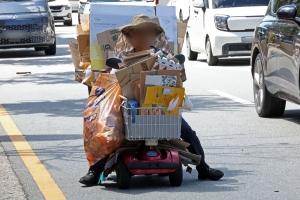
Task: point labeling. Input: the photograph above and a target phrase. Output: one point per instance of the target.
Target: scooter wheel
(123, 174)
(177, 176)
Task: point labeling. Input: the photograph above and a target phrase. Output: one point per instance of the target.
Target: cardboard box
(85, 22)
(131, 74)
(107, 41)
(143, 75)
(75, 54)
(83, 39)
(181, 29)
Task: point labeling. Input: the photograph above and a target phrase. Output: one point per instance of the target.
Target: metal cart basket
(152, 126)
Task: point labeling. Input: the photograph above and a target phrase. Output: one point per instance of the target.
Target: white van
(222, 28)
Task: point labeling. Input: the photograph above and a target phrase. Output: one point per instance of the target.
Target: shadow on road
(63, 108)
(292, 116)
(148, 184)
(43, 78)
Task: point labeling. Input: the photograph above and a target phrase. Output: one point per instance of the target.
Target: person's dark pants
(188, 135)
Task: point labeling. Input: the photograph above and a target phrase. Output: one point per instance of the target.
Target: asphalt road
(260, 157)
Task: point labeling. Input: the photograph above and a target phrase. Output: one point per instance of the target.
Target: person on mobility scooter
(141, 35)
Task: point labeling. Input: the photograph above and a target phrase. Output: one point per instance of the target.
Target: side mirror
(287, 12)
(198, 4)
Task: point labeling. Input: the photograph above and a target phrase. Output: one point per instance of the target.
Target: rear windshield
(238, 3)
(22, 6)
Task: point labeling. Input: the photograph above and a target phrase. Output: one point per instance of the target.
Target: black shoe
(211, 174)
(90, 179)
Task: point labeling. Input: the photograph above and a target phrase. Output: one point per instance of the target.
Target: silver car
(27, 23)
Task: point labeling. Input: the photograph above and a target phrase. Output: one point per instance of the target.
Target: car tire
(266, 105)
(192, 55)
(211, 59)
(123, 174)
(51, 51)
(176, 177)
(68, 23)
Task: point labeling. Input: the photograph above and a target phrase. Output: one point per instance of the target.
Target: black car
(275, 58)
(27, 23)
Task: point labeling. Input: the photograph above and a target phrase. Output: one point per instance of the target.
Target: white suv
(61, 11)
(223, 28)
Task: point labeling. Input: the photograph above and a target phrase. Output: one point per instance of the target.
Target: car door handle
(195, 11)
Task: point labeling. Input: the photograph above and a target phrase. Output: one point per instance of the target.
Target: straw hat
(142, 21)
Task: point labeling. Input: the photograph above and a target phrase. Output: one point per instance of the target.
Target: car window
(278, 3)
(238, 3)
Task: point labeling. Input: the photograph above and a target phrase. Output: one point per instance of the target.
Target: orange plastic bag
(103, 124)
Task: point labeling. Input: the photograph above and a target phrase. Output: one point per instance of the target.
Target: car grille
(28, 27)
(34, 39)
(31, 28)
(56, 8)
(240, 47)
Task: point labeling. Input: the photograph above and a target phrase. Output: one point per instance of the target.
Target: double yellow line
(41, 176)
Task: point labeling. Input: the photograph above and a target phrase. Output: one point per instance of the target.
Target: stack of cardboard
(80, 51)
(142, 81)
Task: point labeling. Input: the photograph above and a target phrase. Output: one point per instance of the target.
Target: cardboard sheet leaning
(110, 16)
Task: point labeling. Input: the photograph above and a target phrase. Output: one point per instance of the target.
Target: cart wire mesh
(146, 127)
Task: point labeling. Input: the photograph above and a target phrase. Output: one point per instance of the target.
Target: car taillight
(156, 2)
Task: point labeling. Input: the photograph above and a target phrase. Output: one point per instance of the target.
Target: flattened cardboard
(75, 54)
(124, 75)
(107, 41)
(159, 72)
(136, 55)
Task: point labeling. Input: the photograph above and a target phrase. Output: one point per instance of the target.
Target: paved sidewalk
(9, 183)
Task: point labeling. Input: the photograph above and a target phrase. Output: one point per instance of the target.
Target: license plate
(14, 34)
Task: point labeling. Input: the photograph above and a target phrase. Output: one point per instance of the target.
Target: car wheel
(211, 59)
(192, 55)
(68, 23)
(52, 50)
(266, 105)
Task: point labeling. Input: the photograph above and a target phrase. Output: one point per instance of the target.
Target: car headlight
(221, 22)
(67, 7)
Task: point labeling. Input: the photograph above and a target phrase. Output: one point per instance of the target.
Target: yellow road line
(43, 179)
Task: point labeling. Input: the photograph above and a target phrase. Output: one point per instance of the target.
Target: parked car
(84, 7)
(74, 5)
(275, 58)
(221, 28)
(61, 11)
(27, 23)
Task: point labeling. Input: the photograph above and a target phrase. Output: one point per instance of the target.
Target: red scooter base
(147, 161)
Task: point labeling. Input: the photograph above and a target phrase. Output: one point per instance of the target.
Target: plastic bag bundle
(103, 124)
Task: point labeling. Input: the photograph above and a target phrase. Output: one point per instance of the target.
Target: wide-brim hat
(141, 21)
